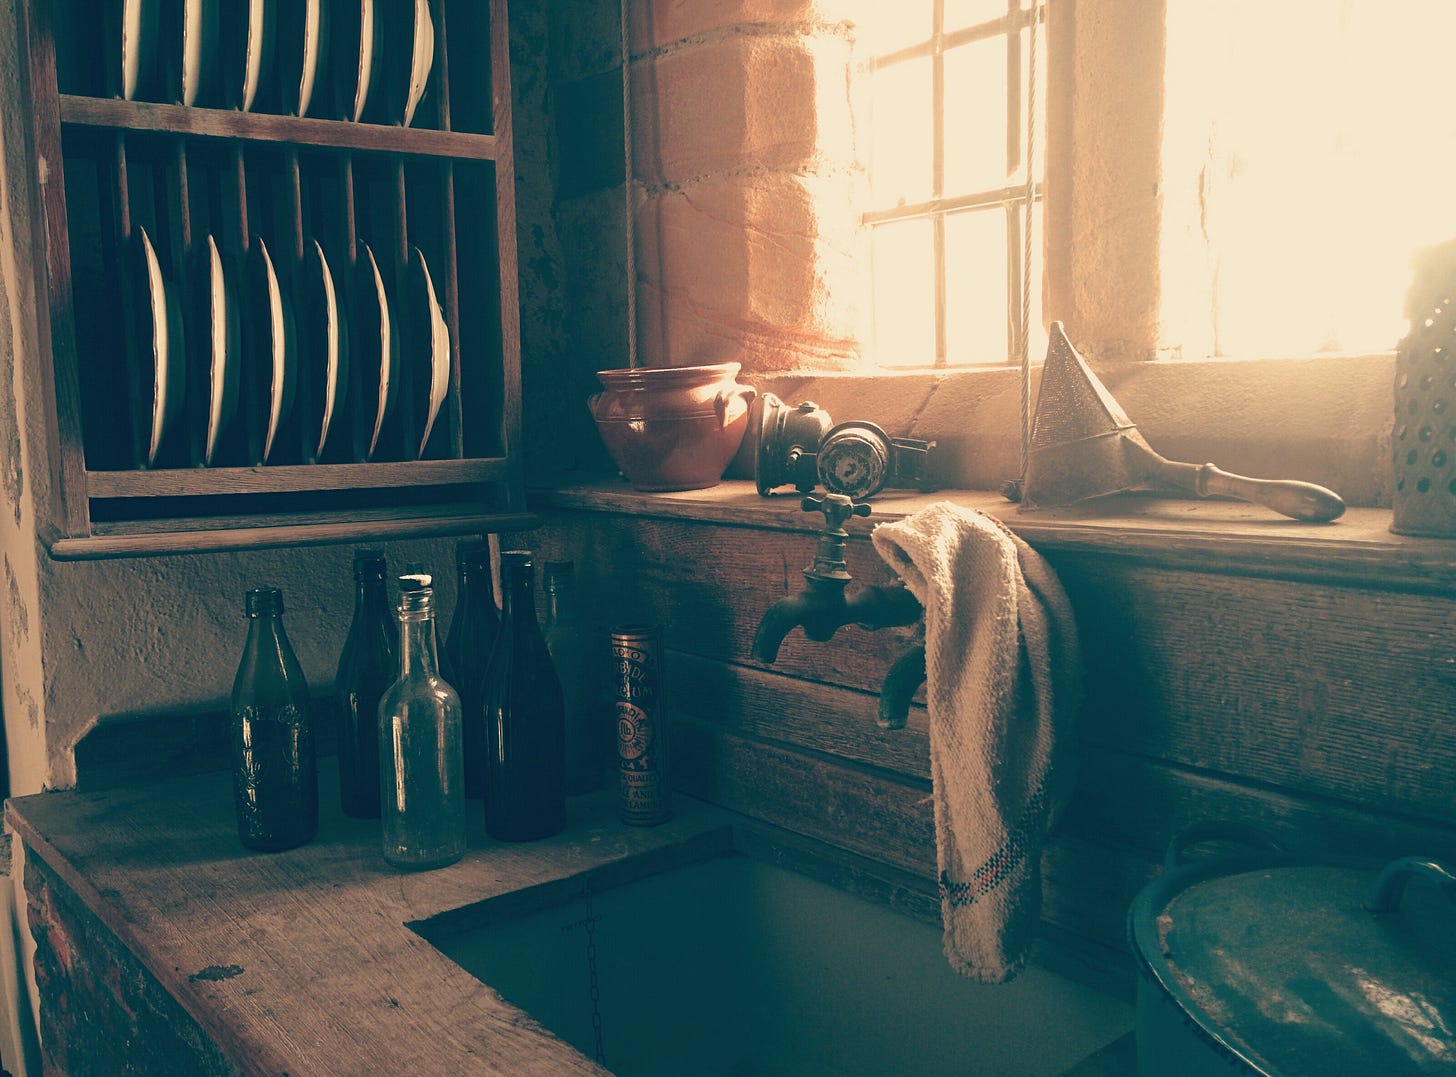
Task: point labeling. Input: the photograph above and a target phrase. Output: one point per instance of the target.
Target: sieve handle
(1300, 500)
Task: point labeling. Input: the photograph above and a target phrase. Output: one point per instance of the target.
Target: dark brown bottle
(473, 628)
(367, 667)
(275, 780)
(525, 725)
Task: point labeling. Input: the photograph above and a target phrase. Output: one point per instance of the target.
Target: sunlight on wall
(1312, 143)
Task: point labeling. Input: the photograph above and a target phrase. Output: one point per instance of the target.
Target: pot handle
(1218, 830)
(1390, 884)
(591, 403)
(724, 400)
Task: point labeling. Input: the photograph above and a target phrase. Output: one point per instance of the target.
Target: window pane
(976, 287)
(886, 26)
(1308, 174)
(900, 134)
(975, 116)
(904, 293)
(962, 13)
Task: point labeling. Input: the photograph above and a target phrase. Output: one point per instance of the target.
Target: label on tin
(641, 748)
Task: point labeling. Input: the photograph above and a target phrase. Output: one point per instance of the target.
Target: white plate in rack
(422, 58)
(271, 318)
(354, 49)
(303, 49)
(377, 346)
(223, 349)
(323, 345)
(138, 45)
(426, 346)
(162, 324)
(200, 19)
(258, 49)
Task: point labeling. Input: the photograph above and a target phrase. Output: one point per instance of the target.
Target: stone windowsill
(1358, 549)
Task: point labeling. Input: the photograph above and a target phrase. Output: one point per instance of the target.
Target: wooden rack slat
(291, 478)
(188, 536)
(259, 127)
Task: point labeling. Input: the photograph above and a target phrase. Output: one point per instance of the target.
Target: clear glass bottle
(367, 667)
(473, 629)
(573, 652)
(275, 777)
(525, 726)
(421, 776)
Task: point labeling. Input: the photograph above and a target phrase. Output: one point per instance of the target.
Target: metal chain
(591, 964)
(629, 222)
(1027, 230)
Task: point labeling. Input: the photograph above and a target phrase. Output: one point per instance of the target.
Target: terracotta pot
(672, 428)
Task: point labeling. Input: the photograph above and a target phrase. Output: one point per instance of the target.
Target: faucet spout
(905, 675)
(821, 608)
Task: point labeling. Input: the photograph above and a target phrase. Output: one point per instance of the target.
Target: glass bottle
(275, 779)
(366, 668)
(421, 778)
(525, 796)
(472, 633)
(570, 643)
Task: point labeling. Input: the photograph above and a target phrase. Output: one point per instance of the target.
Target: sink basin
(736, 966)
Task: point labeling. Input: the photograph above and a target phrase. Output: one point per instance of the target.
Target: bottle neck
(518, 596)
(417, 656)
(263, 626)
(370, 595)
(560, 595)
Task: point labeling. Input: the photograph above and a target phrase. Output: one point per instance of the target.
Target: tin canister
(641, 731)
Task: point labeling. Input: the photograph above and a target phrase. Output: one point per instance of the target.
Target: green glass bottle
(575, 653)
(473, 629)
(421, 773)
(275, 779)
(525, 795)
(366, 668)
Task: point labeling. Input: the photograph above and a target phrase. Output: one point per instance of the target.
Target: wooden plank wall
(1325, 713)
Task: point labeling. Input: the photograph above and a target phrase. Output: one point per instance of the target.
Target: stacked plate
(285, 56)
(280, 375)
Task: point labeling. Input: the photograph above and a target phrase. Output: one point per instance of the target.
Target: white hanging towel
(1003, 677)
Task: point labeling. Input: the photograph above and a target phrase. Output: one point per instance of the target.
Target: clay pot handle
(724, 400)
(591, 403)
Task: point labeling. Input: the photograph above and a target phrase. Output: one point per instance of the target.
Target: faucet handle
(837, 508)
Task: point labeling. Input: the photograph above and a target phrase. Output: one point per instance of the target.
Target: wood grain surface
(328, 976)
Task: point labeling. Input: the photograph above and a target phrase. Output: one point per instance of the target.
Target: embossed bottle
(275, 780)
(468, 644)
(525, 725)
(421, 775)
(367, 666)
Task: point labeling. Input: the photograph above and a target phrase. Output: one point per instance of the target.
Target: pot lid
(1286, 966)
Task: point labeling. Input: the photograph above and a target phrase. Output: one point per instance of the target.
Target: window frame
(1016, 200)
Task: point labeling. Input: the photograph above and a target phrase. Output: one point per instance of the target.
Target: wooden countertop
(322, 973)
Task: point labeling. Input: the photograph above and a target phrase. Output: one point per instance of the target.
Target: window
(1311, 143)
(954, 151)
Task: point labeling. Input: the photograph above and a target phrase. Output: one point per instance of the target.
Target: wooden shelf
(116, 114)
(1357, 550)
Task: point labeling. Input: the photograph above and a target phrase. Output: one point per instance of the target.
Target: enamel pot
(1262, 962)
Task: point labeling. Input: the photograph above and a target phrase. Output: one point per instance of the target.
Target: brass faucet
(821, 608)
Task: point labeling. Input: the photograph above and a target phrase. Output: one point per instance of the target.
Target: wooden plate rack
(109, 167)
